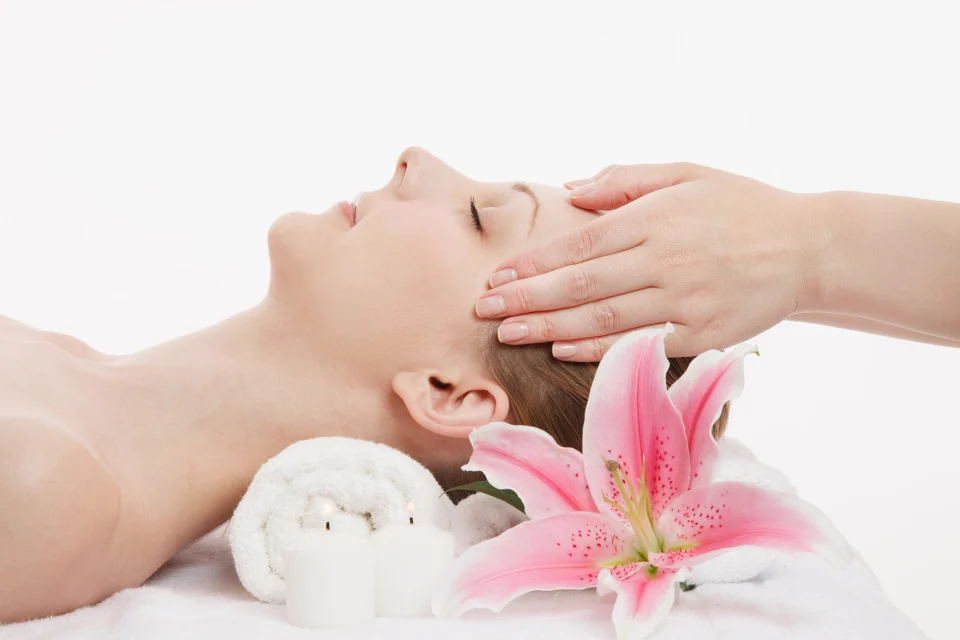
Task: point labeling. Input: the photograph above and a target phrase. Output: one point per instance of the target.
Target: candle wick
(328, 526)
(411, 519)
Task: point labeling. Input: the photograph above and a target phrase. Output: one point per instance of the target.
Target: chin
(299, 232)
(298, 243)
(285, 230)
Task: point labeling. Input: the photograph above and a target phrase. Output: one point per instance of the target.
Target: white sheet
(197, 596)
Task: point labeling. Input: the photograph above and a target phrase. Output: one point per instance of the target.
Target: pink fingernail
(564, 350)
(503, 277)
(513, 331)
(490, 306)
(583, 190)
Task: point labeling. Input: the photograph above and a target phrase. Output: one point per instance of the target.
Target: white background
(146, 147)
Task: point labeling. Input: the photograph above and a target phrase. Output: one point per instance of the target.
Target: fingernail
(564, 350)
(503, 277)
(583, 190)
(513, 331)
(490, 306)
(573, 184)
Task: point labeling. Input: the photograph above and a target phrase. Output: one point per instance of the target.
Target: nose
(422, 173)
(415, 156)
(409, 154)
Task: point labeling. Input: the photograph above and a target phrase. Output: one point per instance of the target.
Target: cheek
(424, 269)
(406, 279)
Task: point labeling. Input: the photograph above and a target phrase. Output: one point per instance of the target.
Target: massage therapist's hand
(720, 256)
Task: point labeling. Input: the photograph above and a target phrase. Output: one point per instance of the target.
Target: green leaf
(482, 486)
(686, 586)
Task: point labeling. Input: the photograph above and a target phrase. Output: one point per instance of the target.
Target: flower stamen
(635, 500)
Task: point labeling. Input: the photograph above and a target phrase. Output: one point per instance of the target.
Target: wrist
(822, 223)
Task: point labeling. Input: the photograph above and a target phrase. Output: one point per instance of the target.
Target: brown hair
(551, 394)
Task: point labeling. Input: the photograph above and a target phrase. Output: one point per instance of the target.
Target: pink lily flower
(638, 507)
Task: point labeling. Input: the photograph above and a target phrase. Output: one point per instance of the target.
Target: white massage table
(197, 596)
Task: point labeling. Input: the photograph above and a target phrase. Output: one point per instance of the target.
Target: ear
(451, 406)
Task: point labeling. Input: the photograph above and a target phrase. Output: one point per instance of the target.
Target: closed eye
(476, 215)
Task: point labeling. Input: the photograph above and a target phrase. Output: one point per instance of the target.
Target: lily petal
(550, 479)
(642, 602)
(558, 552)
(631, 420)
(711, 380)
(705, 521)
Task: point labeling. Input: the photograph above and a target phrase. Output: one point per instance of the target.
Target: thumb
(617, 185)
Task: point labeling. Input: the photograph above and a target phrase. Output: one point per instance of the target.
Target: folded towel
(354, 484)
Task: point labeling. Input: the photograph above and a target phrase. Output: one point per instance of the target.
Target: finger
(607, 234)
(604, 277)
(682, 342)
(594, 319)
(573, 184)
(587, 350)
(623, 184)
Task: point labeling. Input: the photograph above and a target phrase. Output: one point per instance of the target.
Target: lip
(349, 211)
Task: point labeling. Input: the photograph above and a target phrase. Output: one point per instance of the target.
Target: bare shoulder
(37, 452)
(52, 479)
(61, 507)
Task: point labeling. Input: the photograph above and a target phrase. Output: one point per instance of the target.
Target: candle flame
(410, 507)
(327, 509)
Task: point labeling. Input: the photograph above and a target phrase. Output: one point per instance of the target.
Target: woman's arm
(867, 325)
(891, 259)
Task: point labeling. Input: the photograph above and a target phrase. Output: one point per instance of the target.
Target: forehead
(557, 216)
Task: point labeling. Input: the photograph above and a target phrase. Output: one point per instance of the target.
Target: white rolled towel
(364, 486)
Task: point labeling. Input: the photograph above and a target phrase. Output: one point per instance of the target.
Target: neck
(211, 407)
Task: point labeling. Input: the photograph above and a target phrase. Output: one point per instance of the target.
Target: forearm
(890, 259)
(867, 325)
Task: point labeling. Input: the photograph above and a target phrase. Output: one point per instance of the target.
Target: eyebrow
(523, 187)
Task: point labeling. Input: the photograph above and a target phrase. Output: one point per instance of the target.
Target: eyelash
(476, 215)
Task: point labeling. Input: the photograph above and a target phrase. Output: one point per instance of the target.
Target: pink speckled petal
(642, 602)
(705, 521)
(630, 419)
(713, 378)
(558, 552)
(548, 478)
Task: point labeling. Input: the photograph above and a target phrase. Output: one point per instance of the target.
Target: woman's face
(397, 287)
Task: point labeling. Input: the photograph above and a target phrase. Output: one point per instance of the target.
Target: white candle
(411, 560)
(329, 577)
